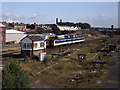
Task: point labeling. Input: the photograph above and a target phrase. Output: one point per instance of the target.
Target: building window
(35, 45)
(42, 44)
(29, 45)
(24, 45)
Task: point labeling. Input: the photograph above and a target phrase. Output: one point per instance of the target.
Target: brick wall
(22, 28)
(37, 52)
(2, 35)
(25, 53)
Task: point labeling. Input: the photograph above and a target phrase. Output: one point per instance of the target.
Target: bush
(14, 77)
(56, 30)
(35, 57)
(46, 60)
(40, 30)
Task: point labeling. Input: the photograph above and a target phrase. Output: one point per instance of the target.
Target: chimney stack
(112, 27)
(60, 20)
(56, 20)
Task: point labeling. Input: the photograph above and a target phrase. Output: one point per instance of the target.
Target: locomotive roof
(67, 38)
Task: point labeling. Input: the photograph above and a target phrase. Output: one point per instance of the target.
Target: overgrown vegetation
(46, 60)
(56, 30)
(70, 71)
(14, 77)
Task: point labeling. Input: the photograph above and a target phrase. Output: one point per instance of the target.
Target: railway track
(57, 47)
(10, 54)
(72, 45)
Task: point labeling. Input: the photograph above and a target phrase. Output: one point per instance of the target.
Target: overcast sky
(98, 14)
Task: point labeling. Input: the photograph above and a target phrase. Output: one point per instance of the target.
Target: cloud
(34, 15)
(100, 21)
(19, 18)
(102, 16)
(104, 22)
(16, 16)
(10, 21)
(39, 18)
(7, 14)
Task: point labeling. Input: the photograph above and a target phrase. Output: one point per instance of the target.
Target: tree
(28, 26)
(32, 32)
(56, 30)
(40, 30)
(14, 77)
(86, 26)
(66, 24)
(32, 26)
(65, 32)
(79, 24)
(83, 25)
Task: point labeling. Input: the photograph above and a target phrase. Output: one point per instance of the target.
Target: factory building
(14, 36)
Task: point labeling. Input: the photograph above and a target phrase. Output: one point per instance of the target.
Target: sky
(97, 14)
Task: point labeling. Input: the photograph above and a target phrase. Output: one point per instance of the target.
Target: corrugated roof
(14, 31)
(36, 38)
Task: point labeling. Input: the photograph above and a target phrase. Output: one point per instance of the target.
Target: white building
(62, 28)
(14, 35)
(32, 45)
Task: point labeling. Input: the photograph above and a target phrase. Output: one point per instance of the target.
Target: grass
(89, 85)
(67, 68)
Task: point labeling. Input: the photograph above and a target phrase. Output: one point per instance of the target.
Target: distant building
(32, 45)
(9, 26)
(14, 36)
(56, 20)
(47, 26)
(15, 25)
(68, 28)
(26, 27)
(19, 26)
(2, 33)
(64, 27)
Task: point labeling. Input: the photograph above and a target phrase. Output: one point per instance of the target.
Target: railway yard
(78, 65)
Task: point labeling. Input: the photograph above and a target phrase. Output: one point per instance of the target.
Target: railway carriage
(58, 42)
